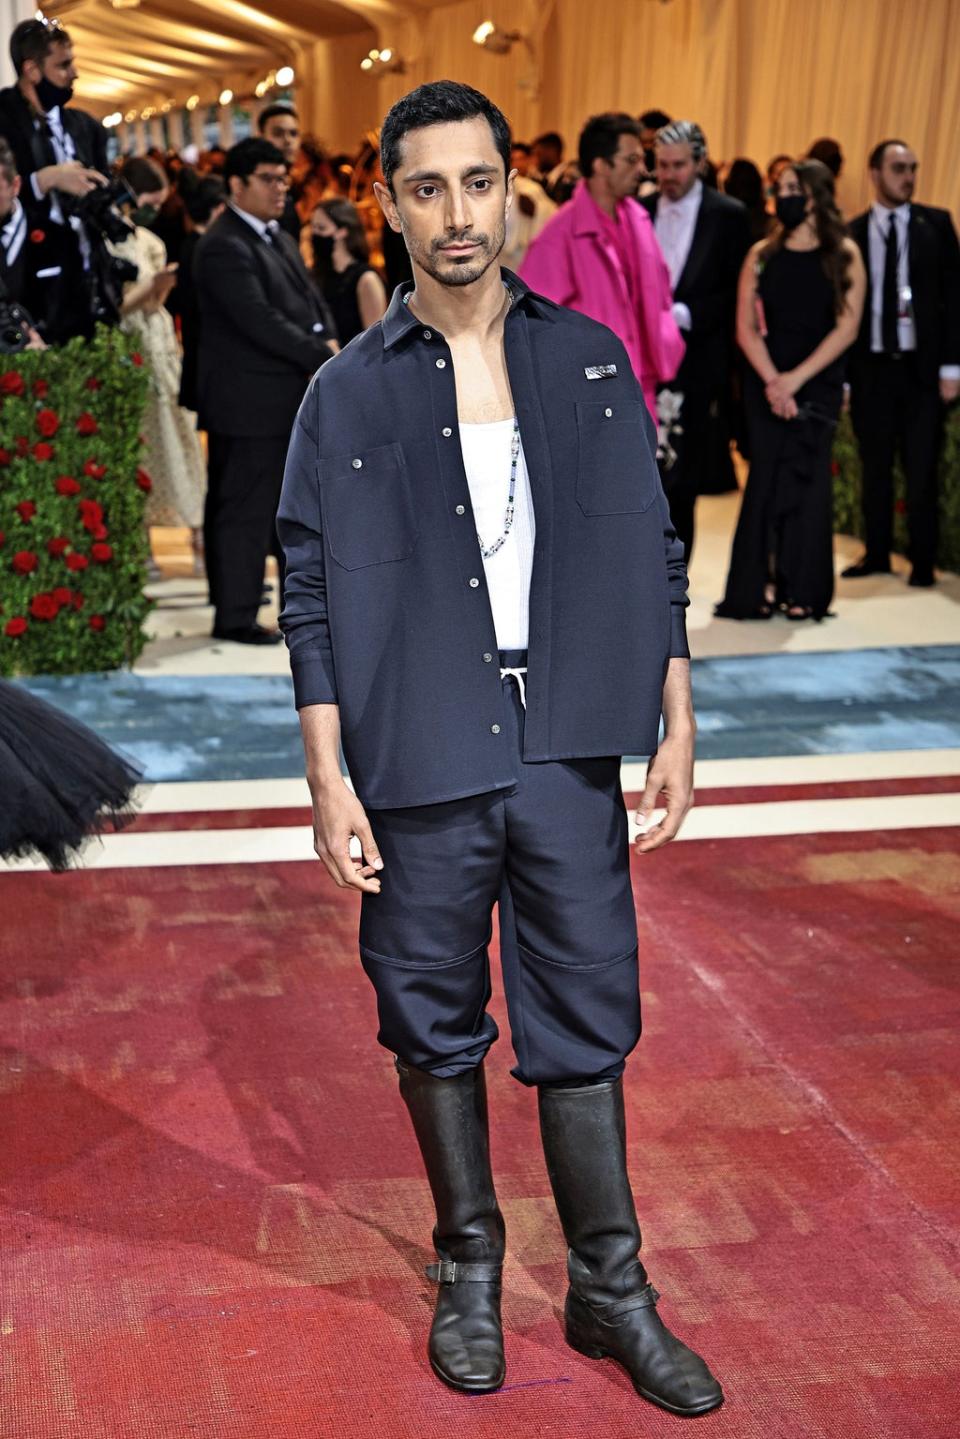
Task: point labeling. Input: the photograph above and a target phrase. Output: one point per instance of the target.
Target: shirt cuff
(950, 372)
(35, 186)
(313, 682)
(679, 649)
(681, 313)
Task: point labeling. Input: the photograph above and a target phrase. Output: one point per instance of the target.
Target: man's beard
(462, 271)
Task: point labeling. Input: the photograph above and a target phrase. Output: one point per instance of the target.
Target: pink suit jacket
(574, 262)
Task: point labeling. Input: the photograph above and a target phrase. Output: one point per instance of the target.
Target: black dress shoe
(250, 635)
(865, 567)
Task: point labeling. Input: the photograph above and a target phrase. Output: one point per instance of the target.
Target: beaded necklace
(485, 551)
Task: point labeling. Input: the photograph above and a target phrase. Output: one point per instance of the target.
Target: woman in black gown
(58, 781)
(798, 312)
(349, 284)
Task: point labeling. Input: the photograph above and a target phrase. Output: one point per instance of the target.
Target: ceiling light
(386, 56)
(285, 75)
(193, 102)
(226, 96)
(260, 89)
(366, 63)
(492, 38)
(130, 116)
(383, 62)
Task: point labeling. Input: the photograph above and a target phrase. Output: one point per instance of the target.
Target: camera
(101, 211)
(15, 324)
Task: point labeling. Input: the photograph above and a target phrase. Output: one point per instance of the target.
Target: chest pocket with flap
(368, 508)
(616, 474)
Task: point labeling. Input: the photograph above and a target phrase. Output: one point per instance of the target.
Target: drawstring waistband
(514, 662)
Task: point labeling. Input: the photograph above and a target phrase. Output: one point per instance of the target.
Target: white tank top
(486, 459)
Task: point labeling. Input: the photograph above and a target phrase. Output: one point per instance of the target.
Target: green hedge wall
(73, 545)
(848, 516)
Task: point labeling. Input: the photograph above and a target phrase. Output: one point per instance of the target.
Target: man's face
(896, 179)
(450, 199)
(677, 170)
(625, 167)
(9, 190)
(520, 161)
(284, 132)
(58, 66)
(264, 193)
(546, 158)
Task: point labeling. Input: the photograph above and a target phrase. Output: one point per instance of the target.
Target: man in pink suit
(599, 254)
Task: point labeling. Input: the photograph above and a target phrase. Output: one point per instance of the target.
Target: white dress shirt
(878, 224)
(64, 150)
(14, 233)
(486, 459)
(674, 225)
(266, 229)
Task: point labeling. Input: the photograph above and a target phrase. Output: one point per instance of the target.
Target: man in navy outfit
(485, 603)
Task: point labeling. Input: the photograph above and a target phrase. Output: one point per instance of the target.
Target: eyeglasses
(283, 181)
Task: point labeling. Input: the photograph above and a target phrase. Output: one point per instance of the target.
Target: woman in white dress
(173, 457)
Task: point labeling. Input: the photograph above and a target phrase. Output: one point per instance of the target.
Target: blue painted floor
(244, 727)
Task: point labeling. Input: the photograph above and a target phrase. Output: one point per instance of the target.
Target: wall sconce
(490, 37)
(383, 62)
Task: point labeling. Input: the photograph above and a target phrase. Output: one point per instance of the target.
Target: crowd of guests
(743, 299)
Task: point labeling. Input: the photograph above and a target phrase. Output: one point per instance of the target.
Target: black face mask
(145, 214)
(323, 249)
(649, 161)
(791, 210)
(52, 96)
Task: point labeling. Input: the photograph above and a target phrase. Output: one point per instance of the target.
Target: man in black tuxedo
(263, 334)
(704, 237)
(61, 155)
(905, 365)
(17, 279)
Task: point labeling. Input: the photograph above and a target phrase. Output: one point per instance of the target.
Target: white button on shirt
(486, 459)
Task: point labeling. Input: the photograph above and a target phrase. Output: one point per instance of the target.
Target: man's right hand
(71, 178)
(337, 816)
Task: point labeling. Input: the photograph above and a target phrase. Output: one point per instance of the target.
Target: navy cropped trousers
(553, 851)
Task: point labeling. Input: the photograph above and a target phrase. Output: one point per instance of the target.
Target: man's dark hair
(551, 138)
(600, 137)
(8, 165)
(828, 152)
(144, 176)
(523, 146)
(33, 40)
(654, 119)
(244, 157)
(201, 195)
(439, 103)
(280, 107)
(877, 153)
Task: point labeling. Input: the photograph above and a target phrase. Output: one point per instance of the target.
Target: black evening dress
(784, 533)
(58, 781)
(340, 292)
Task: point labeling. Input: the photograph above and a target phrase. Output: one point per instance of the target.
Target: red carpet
(213, 1216)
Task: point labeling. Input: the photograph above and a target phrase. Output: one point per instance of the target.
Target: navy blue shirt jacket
(386, 611)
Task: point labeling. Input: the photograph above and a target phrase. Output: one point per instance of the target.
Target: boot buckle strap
(449, 1271)
(646, 1299)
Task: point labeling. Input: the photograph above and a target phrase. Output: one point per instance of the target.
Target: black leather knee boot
(450, 1120)
(611, 1305)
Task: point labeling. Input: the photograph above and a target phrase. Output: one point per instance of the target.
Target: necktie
(888, 331)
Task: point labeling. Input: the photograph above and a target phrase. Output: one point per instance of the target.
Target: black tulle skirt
(58, 781)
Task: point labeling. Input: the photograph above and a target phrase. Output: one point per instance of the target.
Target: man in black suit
(263, 334)
(61, 155)
(280, 124)
(905, 365)
(704, 237)
(17, 279)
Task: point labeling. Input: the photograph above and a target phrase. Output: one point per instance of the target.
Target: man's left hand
(670, 776)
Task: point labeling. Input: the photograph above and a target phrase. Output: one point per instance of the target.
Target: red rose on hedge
(136, 358)
(26, 510)
(44, 607)
(57, 546)
(15, 627)
(62, 595)
(97, 622)
(5, 457)
(86, 424)
(103, 554)
(40, 389)
(42, 451)
(23, 445)
(144, 481)
(77, 600)
(100, 533)
(93, 470)
(77, 562)
(24, 562)
(11, 383)
(67, 485)
(48, 422)
(93, 383)
(91, 514)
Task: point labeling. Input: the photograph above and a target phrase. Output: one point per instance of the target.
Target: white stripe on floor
(734, 821)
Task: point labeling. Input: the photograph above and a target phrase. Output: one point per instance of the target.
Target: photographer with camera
(61, 155)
